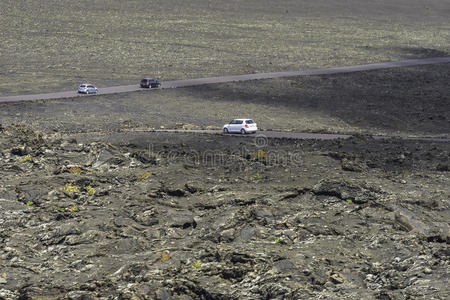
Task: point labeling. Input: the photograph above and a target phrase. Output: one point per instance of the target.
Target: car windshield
(90, 86)
(249, 122)
(83, 85)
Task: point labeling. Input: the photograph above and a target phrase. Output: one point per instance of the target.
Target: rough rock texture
(150, 216)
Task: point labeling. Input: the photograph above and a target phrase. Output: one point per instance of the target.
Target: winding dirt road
(233, 78)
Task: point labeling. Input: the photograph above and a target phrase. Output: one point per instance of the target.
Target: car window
(239, 122)
(90, 86)
(249, 122)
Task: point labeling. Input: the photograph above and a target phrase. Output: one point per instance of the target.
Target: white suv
(240, 125)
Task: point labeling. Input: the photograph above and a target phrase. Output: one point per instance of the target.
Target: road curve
(233, 78)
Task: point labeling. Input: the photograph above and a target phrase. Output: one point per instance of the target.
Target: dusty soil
(56, 45)
(170, 216)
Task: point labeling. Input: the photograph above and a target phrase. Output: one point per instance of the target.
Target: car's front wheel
(225, 130)
(243, 131)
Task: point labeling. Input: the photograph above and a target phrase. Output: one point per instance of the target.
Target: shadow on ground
(413, 100)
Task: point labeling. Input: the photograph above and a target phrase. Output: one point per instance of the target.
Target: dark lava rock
(182, 220)
(285, 266)
(35, 193)
(443, 167)
(176, 192)
(144, 158)
(147, 218)
(352, 165)
(108, 156)
(21, 150)
(343, 191)
(247, 233)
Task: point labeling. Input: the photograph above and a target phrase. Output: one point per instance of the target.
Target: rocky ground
(170, 216)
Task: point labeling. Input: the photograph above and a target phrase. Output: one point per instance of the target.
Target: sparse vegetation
(264, 230)
(25, 158)
(71, 189)
(90, 190)
(259, 154)
(75, 170)
(256, 177)
(197, 264)
(144, 176)
(73, 209)
(257, 40)
(278, 240)
(165, 255)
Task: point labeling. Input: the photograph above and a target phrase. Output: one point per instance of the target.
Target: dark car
(150, 83)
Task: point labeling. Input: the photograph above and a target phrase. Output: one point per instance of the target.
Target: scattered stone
(344, 191)
(207, 232)
(337, 278)
(182, 219)
(352, 165)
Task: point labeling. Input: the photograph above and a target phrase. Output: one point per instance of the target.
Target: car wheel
(225, 130)
(243, 131)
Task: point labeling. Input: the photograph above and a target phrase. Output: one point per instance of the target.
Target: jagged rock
(33, 193)
(175, 192)
(352, 165)
(181, 219)
(208, 232)
(147, 218)
(437, 231)
(344, 191)
(246, 234)
(337, 278)
(285, 266)
(443, 167)
(110, 157)
(21, 150)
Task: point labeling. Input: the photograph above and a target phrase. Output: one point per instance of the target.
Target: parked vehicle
(242, 126)
(86, 88)
(150, 83)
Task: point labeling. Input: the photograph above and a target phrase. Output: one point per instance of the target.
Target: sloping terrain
(413, 101)
(56, 45)
(90, 209)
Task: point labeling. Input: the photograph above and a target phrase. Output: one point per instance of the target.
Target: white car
(242, 126)
(87, 88)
